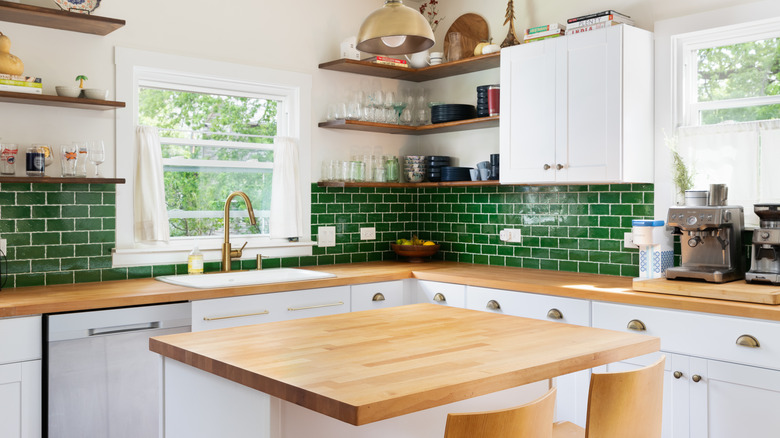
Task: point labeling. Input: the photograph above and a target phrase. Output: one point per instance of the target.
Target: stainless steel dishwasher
(102, 380)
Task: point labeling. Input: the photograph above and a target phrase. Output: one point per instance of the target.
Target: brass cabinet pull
(559, 166)
(319, 306)
(547, 167)
(696, 378)
(439, 298)
(378, 297)
(677, 374)
(636, 325)
(554, 314)
(493, 305)
(748, 341)
(217, 318)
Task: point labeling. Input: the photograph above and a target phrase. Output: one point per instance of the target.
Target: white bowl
(96, 93)
(66, 91)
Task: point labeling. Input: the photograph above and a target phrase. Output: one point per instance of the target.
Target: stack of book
(595, 21)
(386, 60)
(21, 84)
(543, 32)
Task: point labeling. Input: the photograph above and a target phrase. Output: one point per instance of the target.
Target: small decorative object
(414, 249)
(428, 10)
(511, 36)
(81, 79)
(682, 177)
(9, 64)
(78, 6)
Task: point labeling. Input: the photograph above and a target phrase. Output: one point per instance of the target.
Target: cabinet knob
(439, 298)
(677, 374)
(559, 166)
(696, 378)
(547, 167)
(636, 325)
(378, 297)
(554, 314)
(493, 305)
(748, 341)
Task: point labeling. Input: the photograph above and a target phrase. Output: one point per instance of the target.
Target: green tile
(26, 225)
(101, 236)
(60, 198)
(31, 198)
(15, 187)
(86, 276)
(44, 265)
(60, 251)
(102, 211)
(61, 224)
(75, 237)
(36, 279)
(73, 264)
(46, 211)
(69, 187)
(88, 250)
(45, 238)
(89, 198)
(113, 274)
(99, 262)
(16, 212)
(59, 278)
(18, 266)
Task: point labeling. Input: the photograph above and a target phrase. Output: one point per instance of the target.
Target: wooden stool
(530, 420)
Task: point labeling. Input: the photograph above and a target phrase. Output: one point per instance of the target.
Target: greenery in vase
(681, 175)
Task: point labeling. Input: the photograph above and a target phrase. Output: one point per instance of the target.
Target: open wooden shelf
(58, 19)
(466, 65)
(409, 185)
(438, 128)
(67, 102)
(59, 180)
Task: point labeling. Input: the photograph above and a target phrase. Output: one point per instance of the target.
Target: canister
(655, 247)
(494, 100)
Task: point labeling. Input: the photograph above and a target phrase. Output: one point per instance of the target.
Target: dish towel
(149, 209)
(286, 220)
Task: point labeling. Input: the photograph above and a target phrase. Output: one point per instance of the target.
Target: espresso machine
(765, 264)
(710, 239)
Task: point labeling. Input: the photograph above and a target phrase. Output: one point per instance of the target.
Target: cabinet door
(528, 112)
(20, 400)
(377, 295)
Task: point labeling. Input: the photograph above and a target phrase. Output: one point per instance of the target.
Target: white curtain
(286, 220)
(150, 211)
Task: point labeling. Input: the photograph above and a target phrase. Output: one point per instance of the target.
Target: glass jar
(35, 161)
(392, 173)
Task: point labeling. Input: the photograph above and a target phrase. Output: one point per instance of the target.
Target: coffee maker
(710, 239)
(765, 264)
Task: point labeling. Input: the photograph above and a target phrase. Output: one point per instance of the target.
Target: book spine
(602, 19)
(21, 83)
(15, 89)
(531, 40)
(19, 78)
(397, 64)
(542, 29)
(393, 60)
(596, 15)
(583, 29)
(544, 34)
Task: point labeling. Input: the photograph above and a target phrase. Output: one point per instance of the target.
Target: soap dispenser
(195, 262)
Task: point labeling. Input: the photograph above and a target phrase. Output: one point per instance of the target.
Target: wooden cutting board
(734, 291)
(473, 30)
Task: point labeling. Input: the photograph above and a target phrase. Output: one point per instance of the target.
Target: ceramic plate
(80, 6)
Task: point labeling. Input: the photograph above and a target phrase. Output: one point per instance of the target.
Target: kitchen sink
(244, 278)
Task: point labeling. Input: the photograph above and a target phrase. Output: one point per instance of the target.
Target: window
(217, 123)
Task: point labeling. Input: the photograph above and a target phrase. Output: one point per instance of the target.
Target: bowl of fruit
(415, 250)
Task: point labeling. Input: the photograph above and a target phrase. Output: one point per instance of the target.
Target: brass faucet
(227, 253)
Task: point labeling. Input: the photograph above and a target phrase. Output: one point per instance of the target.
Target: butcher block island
(388, 372)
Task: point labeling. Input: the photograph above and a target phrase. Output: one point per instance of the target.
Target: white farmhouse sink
(244, 278)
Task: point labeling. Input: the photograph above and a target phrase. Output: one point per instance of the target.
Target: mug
(436, 58)
(484, 174)
(418, 60)
(474, 173)
(483, 165)
(718, 195)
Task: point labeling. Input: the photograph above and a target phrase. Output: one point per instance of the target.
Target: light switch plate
(368, 233)
(4, 246)
(513, 235)
(326, 236)
(628, 241)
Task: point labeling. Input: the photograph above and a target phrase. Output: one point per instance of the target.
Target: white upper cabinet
(578, 109)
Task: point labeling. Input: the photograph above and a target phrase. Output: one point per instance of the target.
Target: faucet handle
(237, 252)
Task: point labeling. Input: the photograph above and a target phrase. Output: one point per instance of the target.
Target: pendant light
(395, 29)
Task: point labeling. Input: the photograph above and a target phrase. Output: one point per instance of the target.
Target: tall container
(656, 253)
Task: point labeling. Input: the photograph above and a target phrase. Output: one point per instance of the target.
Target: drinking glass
(8, 158)
(389, 105)
(379, 106)
(48, 153)
(97, 155)
(455, 50)
(68, 157)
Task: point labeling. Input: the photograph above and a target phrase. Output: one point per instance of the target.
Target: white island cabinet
(578, 109)
(20, 377)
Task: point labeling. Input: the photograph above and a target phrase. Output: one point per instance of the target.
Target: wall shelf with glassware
(341, 184)
(59, 180)
(59, 101)
(437, 128)
(454, 68)
(58, 19)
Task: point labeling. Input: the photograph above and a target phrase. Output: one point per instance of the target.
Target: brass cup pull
(696, 378)
(559, 166)
(493, 305)
(636, 325)
(748, 341)
(378, 297)
(547, 167)
(677, 374)
(439, 298)
(554, 314)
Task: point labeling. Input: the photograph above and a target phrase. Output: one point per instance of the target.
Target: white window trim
(131, 64)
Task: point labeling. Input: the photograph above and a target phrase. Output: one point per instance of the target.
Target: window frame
(136, 67)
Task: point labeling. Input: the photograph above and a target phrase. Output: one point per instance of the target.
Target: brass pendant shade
(395, 29)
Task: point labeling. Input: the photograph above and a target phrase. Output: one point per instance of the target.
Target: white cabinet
(377, 295)
(20, 377)
(279, 306)
(446, 294)
(578, 108)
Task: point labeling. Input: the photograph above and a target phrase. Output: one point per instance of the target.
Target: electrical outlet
(368, 233)
(4, 246)
(513, 235)
(326, 236)
(628, 241)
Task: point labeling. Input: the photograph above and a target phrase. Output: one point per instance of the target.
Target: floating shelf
(466, 65)
(67, 102)
(58, 19)
(438, 128)
(408, 185)
(59, 180)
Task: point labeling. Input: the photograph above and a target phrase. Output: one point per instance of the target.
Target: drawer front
(316, 302)
(21, 339)
(377, 295)
(529, 305)
(447, 294)
(698, 334)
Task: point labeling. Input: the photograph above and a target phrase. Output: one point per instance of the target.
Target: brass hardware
(493, 305)
(547, 167)
(637, 325)
(259, 262)
(554, 314)
(748, 341)
(439, 298)
(227, 252)
(696, 378)
(677, 374)
(319, 306)
(559, 166)
(378, 297)
(217, 318)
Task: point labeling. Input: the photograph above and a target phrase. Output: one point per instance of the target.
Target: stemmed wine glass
(97, 155)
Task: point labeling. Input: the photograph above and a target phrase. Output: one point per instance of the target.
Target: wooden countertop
(363, 367)
(86, 296)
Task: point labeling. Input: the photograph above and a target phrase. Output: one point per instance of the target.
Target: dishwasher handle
(124, 328)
